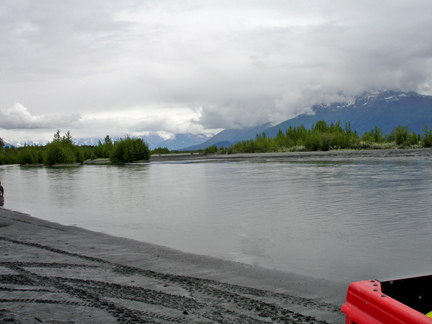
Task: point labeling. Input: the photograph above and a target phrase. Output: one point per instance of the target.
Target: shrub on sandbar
(129, 150)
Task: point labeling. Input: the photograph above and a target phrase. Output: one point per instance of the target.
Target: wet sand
(50, 273)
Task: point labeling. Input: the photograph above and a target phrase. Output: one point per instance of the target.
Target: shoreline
(53, 272)
(339, 155)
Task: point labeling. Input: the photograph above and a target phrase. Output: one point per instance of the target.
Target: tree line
(324, 137)
(62, 150)
(320, 137)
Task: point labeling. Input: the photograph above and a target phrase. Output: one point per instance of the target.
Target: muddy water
(348, 220)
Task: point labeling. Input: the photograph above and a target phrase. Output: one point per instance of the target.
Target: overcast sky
(171, 66)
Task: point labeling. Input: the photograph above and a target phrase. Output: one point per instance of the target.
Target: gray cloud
(18, 117)
(192, 66)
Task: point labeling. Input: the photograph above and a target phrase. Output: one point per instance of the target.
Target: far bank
(411, 154)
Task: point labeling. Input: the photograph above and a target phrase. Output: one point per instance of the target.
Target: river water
(350, 220)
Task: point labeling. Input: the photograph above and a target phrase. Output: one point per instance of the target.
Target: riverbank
(340, 155)
(50, 273)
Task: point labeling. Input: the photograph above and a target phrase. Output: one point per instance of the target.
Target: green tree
(320, 127)
(325, 137)
(348, 129)
(367, 137)
(8, 155)
(313, 142)
(129, 150)
(62, 150)
(103, 150)
(377, 134)
(413, 139)
(58, 154)
(108, 146)
(161, 150)
(427, 137)
(56, 137)
(211, 149)
(67, 139)
(400, 135)
(29, 155)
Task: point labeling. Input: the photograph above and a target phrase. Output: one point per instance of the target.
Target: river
(347, 220)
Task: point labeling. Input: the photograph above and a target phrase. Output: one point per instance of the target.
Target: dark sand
(50, 273)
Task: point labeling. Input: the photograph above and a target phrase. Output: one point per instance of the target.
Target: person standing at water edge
(1, 190)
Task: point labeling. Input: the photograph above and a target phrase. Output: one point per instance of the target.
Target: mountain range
(19, 142)
(175, 142)
(151, 140)
(387, 109)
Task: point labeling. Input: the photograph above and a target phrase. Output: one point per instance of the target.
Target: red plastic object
(367, 304)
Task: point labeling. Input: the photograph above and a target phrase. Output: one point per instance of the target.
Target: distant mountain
(229, 136)
(180, 141)
(386, 109)
(87, 141)
(20, 142)
(175, 142)
(152, 140)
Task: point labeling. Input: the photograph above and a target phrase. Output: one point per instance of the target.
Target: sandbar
(336, 155)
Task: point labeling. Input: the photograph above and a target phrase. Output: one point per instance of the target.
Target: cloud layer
(18, 117)
(194, 66)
